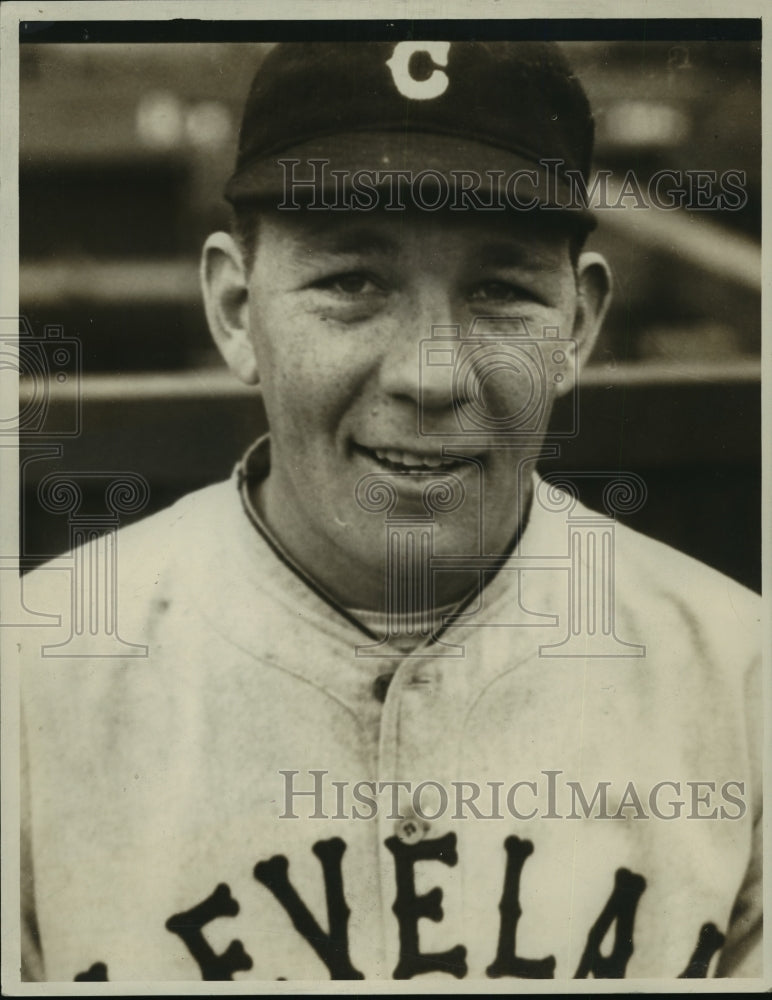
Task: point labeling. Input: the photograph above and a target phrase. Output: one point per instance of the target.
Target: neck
(374, 586)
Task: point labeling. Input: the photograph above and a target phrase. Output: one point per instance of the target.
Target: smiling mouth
(397, 460)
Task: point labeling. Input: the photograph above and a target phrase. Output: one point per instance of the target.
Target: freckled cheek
(311, 380)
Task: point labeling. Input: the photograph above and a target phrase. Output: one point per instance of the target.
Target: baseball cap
(498, 110)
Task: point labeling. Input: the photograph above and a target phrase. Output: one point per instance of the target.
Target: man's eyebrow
(526, 256)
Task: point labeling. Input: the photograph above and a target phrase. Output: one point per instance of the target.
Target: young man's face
(333, 320)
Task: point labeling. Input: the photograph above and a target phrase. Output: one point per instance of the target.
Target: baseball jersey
(250, 784)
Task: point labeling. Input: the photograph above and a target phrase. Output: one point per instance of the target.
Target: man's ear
(593, 285)
(224, 285)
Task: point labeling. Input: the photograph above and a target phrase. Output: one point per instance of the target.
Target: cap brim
(429, 171)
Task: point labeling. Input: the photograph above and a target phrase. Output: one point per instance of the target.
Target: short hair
(245, 219)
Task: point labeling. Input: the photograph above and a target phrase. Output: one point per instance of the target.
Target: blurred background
(124, 150)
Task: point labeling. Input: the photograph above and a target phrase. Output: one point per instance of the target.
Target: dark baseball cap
(497, 109)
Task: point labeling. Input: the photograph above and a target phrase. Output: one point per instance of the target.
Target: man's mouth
(398, 460)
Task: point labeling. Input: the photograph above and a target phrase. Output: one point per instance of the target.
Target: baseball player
(390, 705)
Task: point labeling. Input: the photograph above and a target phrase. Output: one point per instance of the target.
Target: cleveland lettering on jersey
(332, 946)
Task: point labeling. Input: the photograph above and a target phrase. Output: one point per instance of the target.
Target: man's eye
(353, 283)
(500, 291)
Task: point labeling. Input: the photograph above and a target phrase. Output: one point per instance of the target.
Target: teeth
(411, 460)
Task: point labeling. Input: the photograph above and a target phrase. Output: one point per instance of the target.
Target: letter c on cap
(407, 85)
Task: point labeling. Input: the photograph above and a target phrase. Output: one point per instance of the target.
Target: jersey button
(411, 830)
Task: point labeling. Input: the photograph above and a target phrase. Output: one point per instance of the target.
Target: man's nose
(408, 368)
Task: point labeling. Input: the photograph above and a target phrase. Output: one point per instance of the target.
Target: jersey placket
(417, 844)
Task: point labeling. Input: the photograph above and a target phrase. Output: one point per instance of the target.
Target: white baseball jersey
(252, 791)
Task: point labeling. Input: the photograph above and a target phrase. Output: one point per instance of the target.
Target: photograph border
(114, 17)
